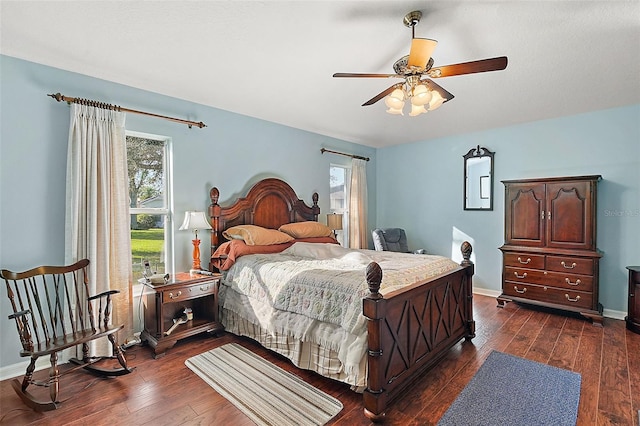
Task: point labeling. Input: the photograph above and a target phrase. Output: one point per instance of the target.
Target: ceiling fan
(416, 68)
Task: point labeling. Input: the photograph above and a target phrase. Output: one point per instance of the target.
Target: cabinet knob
(204, 288)
(524, 290)
(178, 294)
(520, 276)
(564, 265)
(525, 262)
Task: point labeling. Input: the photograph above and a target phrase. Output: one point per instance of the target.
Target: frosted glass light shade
(421, 95)
(417, 110)
(436, 101)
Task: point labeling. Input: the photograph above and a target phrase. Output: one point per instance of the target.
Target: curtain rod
(58, 97)
(323, 150)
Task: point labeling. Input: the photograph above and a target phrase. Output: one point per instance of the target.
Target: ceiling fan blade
(483, 65)
(380, 95)
(348, 74)
(433, 86)
(421, 50)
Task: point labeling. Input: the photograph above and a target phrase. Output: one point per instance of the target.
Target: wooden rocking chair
(43, 302)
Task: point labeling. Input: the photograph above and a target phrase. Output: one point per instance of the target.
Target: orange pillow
(254, 235)
(306, 229)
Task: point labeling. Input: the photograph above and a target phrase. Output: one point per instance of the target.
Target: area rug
(267, 394)
(508, 390)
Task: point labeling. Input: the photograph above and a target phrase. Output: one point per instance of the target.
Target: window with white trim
(149, 167)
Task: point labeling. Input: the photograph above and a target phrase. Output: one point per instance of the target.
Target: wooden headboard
(270, 203)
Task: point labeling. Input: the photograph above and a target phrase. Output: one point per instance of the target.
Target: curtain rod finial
(58, 96)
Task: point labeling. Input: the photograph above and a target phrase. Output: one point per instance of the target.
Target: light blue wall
(232, 153)
(426, 179)
(416, 186)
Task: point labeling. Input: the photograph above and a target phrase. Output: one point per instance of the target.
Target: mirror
(478, 179)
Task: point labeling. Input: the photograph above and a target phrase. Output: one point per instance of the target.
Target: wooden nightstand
(165, 302)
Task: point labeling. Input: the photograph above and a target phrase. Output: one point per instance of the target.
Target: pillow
(227, 254)
(306, 229)
(254, 235)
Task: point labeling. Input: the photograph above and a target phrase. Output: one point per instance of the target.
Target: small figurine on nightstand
(187, 315)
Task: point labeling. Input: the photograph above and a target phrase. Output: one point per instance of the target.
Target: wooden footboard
(412, 329)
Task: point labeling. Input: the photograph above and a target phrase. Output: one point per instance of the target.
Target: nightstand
(184, 296)
(633, 315)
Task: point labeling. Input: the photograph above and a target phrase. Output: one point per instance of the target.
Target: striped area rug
(267, 394)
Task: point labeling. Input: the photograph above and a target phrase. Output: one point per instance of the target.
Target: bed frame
(409, 330)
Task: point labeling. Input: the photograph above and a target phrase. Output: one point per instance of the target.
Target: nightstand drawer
(189, 292)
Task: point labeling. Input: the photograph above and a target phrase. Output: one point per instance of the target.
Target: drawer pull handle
(568, 281)
(523, 291)
(524, 263)
(171, 296)
(204, 288)
(570, 299)
(520, 276)
(573, 265)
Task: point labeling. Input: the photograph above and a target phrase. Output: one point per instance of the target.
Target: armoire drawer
(552, 279)
(542, 293)
(575, 265)
(524, 260)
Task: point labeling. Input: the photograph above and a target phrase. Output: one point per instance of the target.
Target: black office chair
(392, 239)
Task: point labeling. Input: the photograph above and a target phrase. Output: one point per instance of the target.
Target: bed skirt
(303, 354)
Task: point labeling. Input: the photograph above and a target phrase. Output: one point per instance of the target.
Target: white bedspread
(314, 292)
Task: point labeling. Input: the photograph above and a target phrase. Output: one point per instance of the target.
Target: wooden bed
(409, 330)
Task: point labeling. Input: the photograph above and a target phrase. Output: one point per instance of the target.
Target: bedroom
(595, 141)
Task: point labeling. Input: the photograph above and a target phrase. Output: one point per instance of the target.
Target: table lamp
(334, 222)
(195, 221)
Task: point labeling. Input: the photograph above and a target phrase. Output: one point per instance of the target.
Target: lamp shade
(334, 221)
(194, 221)
(421, 50)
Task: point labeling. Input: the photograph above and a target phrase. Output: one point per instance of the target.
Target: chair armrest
(24, 330)
(19, 314)
(104, 293)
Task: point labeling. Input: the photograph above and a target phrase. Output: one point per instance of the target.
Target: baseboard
(608, 313)
(18, 369)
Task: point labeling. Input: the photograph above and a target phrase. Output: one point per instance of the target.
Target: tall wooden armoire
(549, 254)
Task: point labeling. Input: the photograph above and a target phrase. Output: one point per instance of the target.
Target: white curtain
(97, 215)
(358, 205)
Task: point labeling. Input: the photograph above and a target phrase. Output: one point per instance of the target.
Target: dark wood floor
(166, 392)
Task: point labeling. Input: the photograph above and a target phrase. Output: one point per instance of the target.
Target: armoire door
(524, 218)
(569, 215)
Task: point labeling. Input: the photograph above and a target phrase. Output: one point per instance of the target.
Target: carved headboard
(270, 203)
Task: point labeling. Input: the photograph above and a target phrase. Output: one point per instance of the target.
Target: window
(339, 178)
(149, 164)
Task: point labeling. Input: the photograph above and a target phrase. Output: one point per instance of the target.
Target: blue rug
(508, 390)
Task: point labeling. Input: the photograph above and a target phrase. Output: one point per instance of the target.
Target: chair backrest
(56, 297)
(390, 239)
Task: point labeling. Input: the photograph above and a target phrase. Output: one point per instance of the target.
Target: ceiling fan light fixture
(395, 111)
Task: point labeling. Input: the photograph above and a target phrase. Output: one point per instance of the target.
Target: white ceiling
(274, 60)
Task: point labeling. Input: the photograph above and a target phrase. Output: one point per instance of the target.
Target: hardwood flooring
(166, 392)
